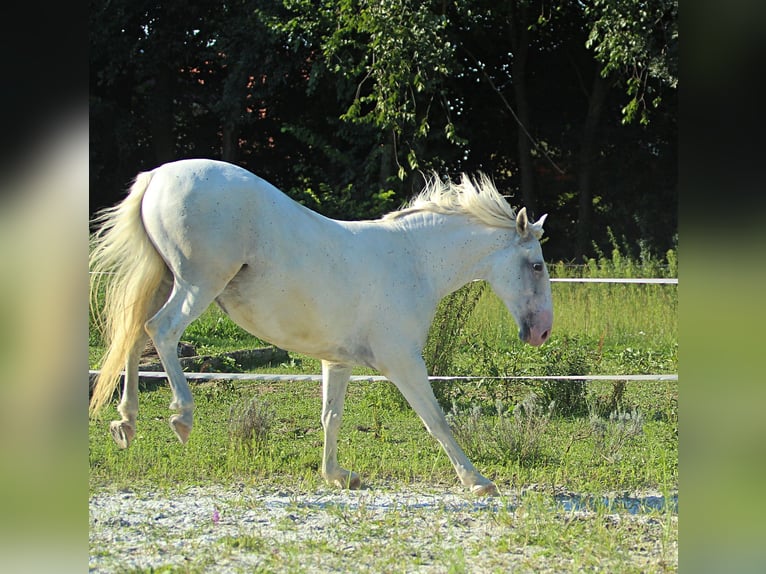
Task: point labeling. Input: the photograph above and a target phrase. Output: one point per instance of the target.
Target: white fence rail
(647, 280)
(374, 378)
(318, 378)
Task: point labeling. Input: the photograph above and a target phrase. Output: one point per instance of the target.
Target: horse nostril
(544, 336)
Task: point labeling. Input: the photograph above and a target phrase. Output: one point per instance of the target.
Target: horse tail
(127, 271)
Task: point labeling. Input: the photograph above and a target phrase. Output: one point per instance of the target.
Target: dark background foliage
(572, 109)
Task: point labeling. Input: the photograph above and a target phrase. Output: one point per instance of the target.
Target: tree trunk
(231, 108)
(229, 147)
(161, 114)
(520, 45)
(386, 163)
(586, 162)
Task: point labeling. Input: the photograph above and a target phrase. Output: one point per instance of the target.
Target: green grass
(587, 444)
(598, 329)
(390, 448)
(379, 439)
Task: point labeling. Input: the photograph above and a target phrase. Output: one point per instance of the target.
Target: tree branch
(538, 147)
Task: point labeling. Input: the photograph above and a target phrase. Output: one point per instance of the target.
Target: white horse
(349, 293)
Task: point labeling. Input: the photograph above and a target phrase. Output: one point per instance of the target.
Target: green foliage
(397, 56)
(514, 434)
(565, 356)
(340, 103)
(598, 329)
(343, 203)
(95, 336)
(622, 263)
(527, 444)
(625, 437)
(381, 399)
(640, 41)
(215, 332)
(612, 434)
(250, 424)
(446, 332)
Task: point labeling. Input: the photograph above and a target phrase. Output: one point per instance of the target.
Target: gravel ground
(246, 529)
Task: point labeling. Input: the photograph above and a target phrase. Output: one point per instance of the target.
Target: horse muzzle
(536, 329)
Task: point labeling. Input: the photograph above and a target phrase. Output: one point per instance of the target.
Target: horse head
(520, 278)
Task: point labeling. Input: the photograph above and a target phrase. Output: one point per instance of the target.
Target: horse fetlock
(182, 426)
(128, 412)
(182, 405)
(122, 432)
(344, 479)
(485, 489)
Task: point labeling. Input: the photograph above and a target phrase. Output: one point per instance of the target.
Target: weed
(248, 542)
(382, 398)
(446, 331)
(250, 423)
(514, 434)
(612, 434)
(457, 563)
(531, 421)
(645, 361)
(566, 356)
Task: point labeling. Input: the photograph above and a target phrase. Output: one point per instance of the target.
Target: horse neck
(453, 249)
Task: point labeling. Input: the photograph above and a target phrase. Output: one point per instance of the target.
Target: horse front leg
(411, 378)
(334, 383)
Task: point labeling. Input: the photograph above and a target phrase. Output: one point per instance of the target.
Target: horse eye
(537, 266)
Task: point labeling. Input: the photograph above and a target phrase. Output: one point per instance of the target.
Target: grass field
(599, 438)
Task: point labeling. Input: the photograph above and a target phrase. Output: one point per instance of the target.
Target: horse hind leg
(124, 430)
(185, 304)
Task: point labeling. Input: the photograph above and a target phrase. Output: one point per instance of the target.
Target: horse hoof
(488, 489)
(180, 428)
(354, 481)
(122, 433)
(349, 480)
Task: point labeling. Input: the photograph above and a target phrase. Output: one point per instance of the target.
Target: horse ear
(522, 222)
(537, 227)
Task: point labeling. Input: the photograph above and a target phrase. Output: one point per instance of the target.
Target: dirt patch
(232, 361)
(241, 529)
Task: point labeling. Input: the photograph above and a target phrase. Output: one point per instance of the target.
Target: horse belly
(291, 317)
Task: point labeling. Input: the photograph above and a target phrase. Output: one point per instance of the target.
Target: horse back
(214, 212)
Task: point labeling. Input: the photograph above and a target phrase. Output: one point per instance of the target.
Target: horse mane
(477, 198)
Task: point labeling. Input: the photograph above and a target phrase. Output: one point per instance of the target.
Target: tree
(639, 42)
(397, 56)
(141, 53)
(636, 44)
(570, 107)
